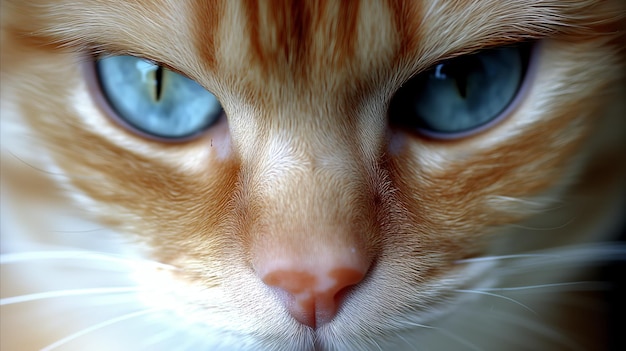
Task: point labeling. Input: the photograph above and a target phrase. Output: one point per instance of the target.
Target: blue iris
(155, 100)
(461, 94)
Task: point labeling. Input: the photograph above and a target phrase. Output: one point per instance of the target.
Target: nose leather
(314, 294)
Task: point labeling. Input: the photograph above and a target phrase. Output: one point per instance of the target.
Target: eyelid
(97, 52)
(533, 44)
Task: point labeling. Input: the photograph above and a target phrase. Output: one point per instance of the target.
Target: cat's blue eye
(463, 95)
(154, 100)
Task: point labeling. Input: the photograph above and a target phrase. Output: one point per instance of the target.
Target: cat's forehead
(307, 40)
(302, 39)
(295, 39)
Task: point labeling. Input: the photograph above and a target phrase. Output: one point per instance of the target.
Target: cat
(310, 175)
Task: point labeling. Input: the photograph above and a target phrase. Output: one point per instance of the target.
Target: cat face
(304, 217)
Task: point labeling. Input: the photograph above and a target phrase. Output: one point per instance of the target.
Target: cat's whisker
(483, 292)
(536, 204)
(12, 258)
(572, 257)
(502, 257)
(538, 327)
(567, 286)
(543, 228)
(78, 231)
(529, 322)
(41, 170)
(448, 334)
(606, 252)
(399, 335)
(375, 343)
(65, 293)
(95, 327)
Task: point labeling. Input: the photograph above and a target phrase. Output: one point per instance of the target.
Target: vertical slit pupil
(461, 85)
(159, 81)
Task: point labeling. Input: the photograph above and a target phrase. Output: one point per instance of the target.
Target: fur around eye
(462, 96)
(154, 101)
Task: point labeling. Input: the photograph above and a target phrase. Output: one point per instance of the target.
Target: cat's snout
(313, 293)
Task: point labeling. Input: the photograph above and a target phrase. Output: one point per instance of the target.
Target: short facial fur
(304, 167)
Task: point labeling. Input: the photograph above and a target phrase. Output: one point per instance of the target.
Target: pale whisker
(65, 293)
(79, 231)
(448, 334)
(98, 326)
(568, 286)
(377, 345)
(458, 339)
(530, 323)
(502, 257)
(18, 257)
(482, 292)
(543, 228)
(539, 327)
(55, 174)
(405, 340)
(582, 254)
(535, 204)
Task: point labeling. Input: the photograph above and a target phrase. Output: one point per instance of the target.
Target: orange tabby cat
(375, 175)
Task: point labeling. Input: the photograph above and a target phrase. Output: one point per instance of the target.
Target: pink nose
(312, 295)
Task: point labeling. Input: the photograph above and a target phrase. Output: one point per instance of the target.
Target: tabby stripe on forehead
(286, 31)
(206, 21)
(407, 16)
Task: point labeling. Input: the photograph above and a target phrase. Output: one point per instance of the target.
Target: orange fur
(305, 160)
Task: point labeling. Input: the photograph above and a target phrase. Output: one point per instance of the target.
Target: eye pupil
(459, 72)
(158, 75)
(461, 85)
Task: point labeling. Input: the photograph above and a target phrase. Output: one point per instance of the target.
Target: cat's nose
(313, 293)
